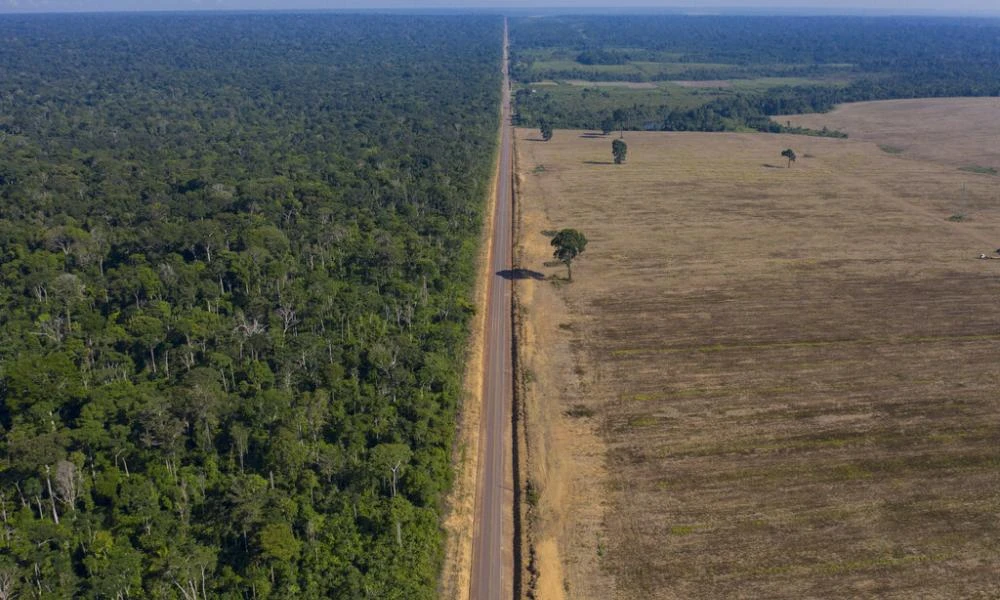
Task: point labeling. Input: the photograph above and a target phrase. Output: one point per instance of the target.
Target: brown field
(763, 382)
(962, 132)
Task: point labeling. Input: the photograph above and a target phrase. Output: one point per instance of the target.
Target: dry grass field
(963, 132)
(763, 382)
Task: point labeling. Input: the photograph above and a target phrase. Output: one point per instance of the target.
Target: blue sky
(834, 6)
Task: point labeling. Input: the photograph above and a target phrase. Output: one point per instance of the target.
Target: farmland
(891, 125)
(763, 381)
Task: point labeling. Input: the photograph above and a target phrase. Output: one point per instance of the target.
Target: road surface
(492, 568)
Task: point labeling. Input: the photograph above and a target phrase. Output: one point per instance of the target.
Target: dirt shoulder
(565, 454)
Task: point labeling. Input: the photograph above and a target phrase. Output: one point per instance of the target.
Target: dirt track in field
(763, 382)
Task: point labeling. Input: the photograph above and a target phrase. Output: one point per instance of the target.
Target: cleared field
(958, 131)
(635, 85)
(633, 68)
(708, 83)
(763, 382)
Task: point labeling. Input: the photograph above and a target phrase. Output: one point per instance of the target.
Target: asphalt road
(492, 571)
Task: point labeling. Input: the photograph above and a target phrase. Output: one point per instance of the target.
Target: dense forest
(849, 59)
(236, 254)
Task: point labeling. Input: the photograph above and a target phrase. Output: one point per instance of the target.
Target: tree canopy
(790, 155)
(568, 244)
(619, 149)
(237, 255)
(545, 129)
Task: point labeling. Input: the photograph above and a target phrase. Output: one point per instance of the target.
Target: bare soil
(763, 382)
(963, 132)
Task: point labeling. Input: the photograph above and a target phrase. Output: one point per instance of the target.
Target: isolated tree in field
(546, 128)
(568, 244)
(619, 149)
(790, 155)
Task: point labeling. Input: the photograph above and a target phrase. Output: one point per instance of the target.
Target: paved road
(492, 571)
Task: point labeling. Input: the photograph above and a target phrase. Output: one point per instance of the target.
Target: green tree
(607, 125)
(619, 149)
(568, 244)
(546, 128)
(790, 155)
(278, 543)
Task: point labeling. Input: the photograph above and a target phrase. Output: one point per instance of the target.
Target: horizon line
(521, 9)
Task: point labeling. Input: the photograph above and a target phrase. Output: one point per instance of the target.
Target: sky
(983, 7)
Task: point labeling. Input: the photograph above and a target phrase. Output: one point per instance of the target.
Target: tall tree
(568, 244)
(620, 150)
(790, 155)
(546, 129)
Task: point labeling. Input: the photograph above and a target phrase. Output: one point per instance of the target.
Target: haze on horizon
(901, 7)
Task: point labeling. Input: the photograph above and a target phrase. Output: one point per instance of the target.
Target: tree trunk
(52, 498)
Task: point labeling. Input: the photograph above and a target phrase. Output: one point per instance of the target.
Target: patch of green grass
(979, 169)
(869, 564)
(890, 149)
(531, 495)
(682, 530)
(580, 411)
(761, 84)
(851, 472)
(638, 70)
(642, 421)
(593, 99)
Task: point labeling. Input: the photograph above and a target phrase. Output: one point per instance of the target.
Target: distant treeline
(728, 113)
(880, 58)
(938, 47)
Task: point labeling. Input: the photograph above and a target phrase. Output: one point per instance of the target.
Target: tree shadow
(770, 166)
(518, 274)
(534, 140)
(598, 162)
(593, 135)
